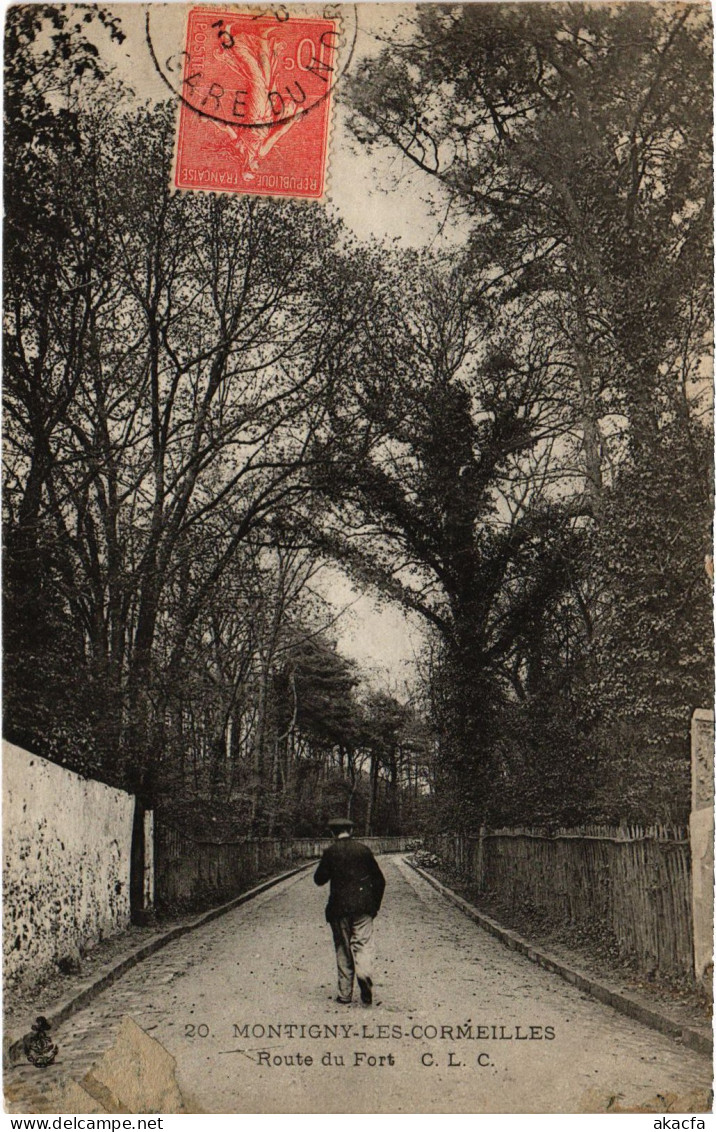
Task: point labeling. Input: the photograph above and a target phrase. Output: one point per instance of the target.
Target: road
(529, 1042)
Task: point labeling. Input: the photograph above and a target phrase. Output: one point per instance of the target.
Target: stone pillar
(142, 871)
(701, 832)
(148, 887)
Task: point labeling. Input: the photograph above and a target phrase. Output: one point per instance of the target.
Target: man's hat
(340, 823)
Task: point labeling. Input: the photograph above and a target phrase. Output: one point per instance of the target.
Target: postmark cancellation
(255, 102)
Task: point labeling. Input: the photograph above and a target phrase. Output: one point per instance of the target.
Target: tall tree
(443, 487)
(165, 368)
(574, 144)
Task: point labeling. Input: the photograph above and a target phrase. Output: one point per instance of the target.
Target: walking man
(357, 887)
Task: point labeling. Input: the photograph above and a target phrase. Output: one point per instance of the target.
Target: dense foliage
(573, 143)
(207, 397)
(166, 364)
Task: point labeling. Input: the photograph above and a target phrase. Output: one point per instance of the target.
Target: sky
(380, 196)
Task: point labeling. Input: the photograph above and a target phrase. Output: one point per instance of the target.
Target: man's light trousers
(353, 937)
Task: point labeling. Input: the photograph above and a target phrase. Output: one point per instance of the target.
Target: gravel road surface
(246, 1005)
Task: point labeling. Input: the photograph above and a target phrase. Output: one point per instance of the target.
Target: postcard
(357, 559)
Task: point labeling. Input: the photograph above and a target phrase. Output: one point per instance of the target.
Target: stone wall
(66, 849)
(701, 832)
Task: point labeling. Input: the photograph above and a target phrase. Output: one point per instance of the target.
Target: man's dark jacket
(357, 884)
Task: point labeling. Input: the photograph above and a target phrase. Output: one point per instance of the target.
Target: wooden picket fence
(632, 882)
(194, 874)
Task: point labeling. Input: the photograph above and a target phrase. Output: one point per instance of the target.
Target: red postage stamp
(256, 102)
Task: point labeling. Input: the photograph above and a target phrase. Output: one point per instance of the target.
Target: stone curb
(63, 1011)
(699, 1040)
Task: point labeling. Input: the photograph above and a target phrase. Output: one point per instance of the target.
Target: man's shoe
(345, 1001)
(366, 991)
